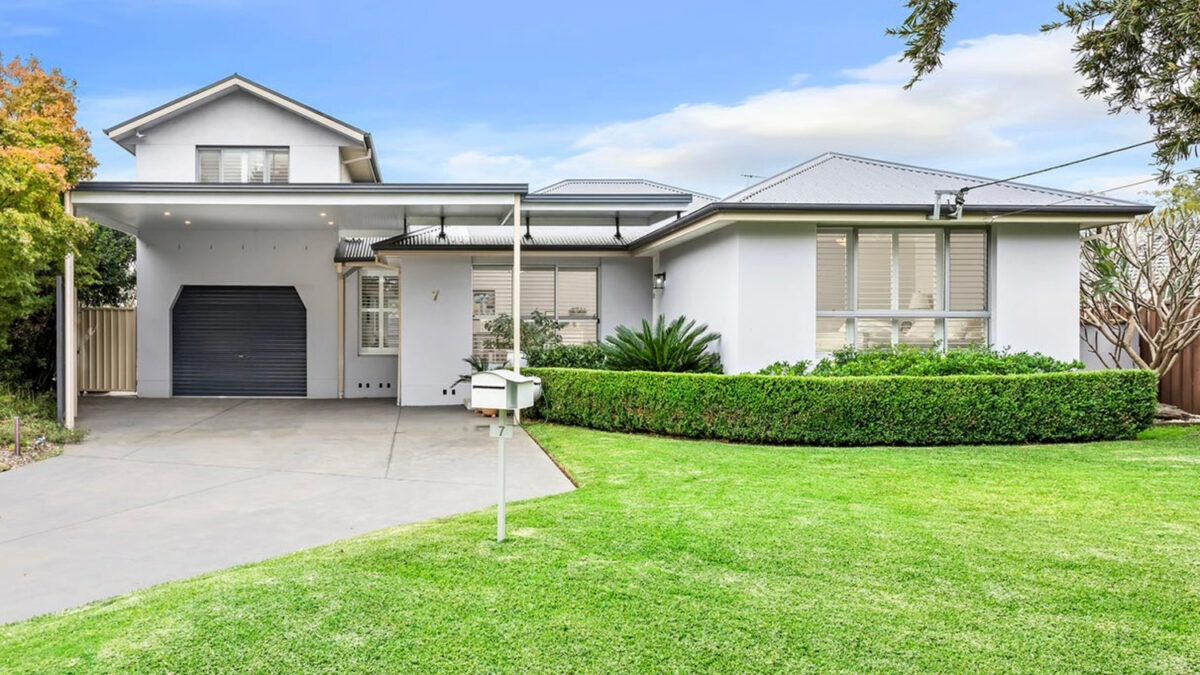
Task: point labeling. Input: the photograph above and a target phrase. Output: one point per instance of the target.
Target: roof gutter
(923, 209)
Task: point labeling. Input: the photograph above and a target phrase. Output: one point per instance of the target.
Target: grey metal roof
(834, 178)
(542, 237)
(625, 186)
(356, 249)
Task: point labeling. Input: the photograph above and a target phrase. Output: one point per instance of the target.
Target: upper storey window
(242, 165)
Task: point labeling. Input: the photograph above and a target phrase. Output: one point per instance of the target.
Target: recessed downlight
(166, 213)
(187, 222)
(331, 222)
(322, 214)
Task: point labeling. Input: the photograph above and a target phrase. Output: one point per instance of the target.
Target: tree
(105, 273)
(538, 332)
(1140, 283)
(43, 152)
(680, 346)
(1138, 55)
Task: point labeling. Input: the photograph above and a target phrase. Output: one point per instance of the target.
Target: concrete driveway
(169, 488)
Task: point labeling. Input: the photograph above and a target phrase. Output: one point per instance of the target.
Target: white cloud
(1001, 105)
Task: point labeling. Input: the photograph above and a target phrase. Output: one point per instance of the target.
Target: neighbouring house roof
(123, 132)
(500, 238)
(627, 186)
(835, 178)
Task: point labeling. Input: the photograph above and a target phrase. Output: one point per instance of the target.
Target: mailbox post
(502, 390)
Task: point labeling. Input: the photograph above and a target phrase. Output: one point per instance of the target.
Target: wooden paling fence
(1181, 385)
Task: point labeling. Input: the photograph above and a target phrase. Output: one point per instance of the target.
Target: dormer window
(242, 165)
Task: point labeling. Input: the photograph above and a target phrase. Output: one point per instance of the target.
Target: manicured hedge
(896, 410)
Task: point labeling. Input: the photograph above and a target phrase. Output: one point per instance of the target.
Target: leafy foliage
(907, 360)
(538, 332)
(1138, 56)
(1140, 288)
(785, 368)
(589, 355)
(43, 152)
(38, 413)
(678, 347)
(1050, 407)
(106, 276)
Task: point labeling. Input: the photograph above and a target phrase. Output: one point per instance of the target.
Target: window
(378, 312)
(919, 287)
(242, 165)
(566, 293)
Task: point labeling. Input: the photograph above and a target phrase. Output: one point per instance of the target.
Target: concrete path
(165, 489)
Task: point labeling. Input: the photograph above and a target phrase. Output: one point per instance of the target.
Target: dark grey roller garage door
(238, 341)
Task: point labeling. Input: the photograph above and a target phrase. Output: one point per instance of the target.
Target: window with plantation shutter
(566, 294)
(378, 312)
(879, 287)
(242, 165)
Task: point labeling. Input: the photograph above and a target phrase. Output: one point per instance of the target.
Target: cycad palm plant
(677, 347)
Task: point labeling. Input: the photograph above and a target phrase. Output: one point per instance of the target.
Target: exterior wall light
(660, 281)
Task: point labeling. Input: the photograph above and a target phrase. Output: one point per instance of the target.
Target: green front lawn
(687, 556)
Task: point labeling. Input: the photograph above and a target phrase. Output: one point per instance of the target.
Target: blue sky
(694, 93)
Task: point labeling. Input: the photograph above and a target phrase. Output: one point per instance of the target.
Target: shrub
(903, 360)
(785, 368)
(894, 410)
(678, 347)
(589, 355)
(539, 331)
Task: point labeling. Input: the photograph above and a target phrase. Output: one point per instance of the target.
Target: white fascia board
(719, 220)
(217, 90)
(291, 198)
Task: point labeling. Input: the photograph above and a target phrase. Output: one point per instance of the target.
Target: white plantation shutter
(209, 161)
(833, 270)
(232, 166)
(242, 165)
(874, 270)
(537, 291)
(920, 287)
(378, 312)
(568, 294)
(577, 293)
(917, 263)
(277, 165)
(256, 166)
(968, 270)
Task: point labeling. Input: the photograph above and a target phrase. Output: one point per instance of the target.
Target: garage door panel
(239, 341)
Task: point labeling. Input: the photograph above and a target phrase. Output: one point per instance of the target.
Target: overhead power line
(963, 191)
(1088, 193)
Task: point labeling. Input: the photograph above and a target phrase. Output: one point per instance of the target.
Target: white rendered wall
(625, 295)
(435, 328)
(777, 294)
(369, 375)
(1035, 301)
(170, 258)
(702, 284)
(167, 152)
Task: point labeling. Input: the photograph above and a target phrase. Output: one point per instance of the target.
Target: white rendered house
(273, 260)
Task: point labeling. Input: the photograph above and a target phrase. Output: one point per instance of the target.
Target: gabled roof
(122, 133)
(624, 186)
(835, 178)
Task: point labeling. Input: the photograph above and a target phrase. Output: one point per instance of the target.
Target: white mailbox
(503, 390)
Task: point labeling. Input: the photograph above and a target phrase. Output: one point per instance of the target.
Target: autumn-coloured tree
(43, 152)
